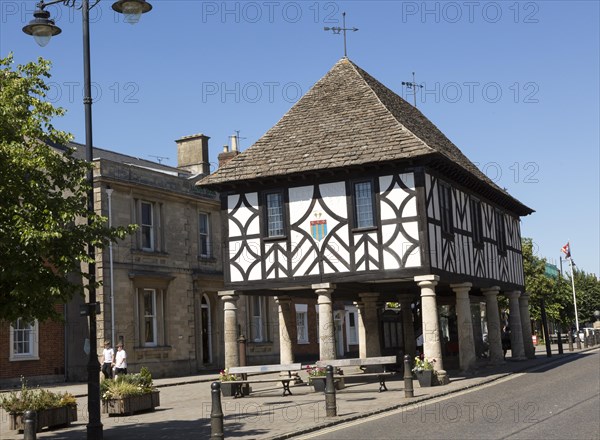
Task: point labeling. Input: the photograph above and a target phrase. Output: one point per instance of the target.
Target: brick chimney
(192, 154)
(227, 155)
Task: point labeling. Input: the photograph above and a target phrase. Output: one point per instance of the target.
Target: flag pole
(574, 297)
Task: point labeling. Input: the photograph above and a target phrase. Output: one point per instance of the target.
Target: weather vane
(413, 85)
(338, 30)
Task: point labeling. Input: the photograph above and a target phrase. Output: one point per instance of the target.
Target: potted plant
(316, 378)
(228, 388)
(423, 369)
(129, 393)
(52, 409)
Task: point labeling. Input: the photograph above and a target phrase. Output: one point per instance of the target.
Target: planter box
(131, 404)
(50, 418)
(425, 378)
(318, 383)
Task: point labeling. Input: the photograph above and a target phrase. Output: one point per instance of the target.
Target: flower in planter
(17, 402)
(225, 376)
(127, 385)
(423, 364)
(314, 372)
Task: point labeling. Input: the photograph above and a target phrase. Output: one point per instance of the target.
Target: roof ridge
(358, 70)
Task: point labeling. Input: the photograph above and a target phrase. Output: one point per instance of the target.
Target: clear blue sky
(515, 85)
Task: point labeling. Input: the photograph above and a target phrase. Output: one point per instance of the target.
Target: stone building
(159, 286)
(355, 200)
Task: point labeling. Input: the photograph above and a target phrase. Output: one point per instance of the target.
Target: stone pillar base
(442, 377)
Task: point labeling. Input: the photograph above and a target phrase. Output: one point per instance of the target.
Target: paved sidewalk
(186, 405)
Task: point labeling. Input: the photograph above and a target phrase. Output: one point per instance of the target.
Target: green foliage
(17, 402)
(127, 385)
(587, 289)
(540, 286)
(43, 188)
(423, 364)
(225, 376)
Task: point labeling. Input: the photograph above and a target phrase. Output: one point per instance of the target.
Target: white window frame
(258, 318)
(275, 214)
(204, 235)
(302, 323)
(153, 317)
(364, 205)
(33, 341)
(351, 330)
(149, 226)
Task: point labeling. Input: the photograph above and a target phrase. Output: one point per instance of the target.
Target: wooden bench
(381, 362)
(261, 369)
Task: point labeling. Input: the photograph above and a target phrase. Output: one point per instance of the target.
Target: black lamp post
(42, 28)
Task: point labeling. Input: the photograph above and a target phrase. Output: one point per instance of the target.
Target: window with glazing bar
(363, 205)
(275, 219)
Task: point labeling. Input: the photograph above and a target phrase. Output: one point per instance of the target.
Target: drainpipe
(109, 192)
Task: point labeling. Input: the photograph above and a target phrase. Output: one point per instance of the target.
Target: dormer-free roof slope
(349, 119)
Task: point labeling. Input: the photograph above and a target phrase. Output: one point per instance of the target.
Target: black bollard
(30, 428)
(578, 341)
(216, 413)
(559, 336)
(570, 339)
(330, 403)
(409, 390)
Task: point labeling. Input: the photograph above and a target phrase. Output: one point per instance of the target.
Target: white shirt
(121, 361)
(108, 355)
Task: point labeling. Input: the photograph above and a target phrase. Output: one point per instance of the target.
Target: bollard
(245, 388)
(585, 340)
(216, 413)
(570, 339)
(30, 428)
(578, 341)
(330, 403)
(560, 347)
(409, 390)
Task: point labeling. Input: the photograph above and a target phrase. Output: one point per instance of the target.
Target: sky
(514, 84)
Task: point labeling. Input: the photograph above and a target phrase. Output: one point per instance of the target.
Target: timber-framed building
(355, 198)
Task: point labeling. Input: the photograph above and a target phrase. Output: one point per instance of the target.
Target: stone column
(432, 346)
(517, 348)
(371, 323)
(526, 326)
(232, 356)
(286, 329)
(466, 340)
(493, 324)
(326, 324)
(362, 334)
(408, 328)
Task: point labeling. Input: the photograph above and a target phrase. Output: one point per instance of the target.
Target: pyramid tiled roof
(349, 119)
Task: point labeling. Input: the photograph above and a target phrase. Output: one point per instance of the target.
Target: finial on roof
(337, 30)
(414, 86)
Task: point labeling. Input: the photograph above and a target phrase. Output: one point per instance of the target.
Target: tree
(540, 286)
(43, 188)
(587, 290)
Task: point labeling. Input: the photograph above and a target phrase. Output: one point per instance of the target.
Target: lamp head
(132, 9)
(42, 28)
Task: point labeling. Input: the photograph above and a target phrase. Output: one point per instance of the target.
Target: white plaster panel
(408, 179)
(255, 272)
(389, 260)
(300, 199)
(430, 211)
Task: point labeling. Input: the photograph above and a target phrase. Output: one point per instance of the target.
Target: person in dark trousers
(108, 355)
(505, 339)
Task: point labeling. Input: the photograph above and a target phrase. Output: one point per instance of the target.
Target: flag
(566, 249)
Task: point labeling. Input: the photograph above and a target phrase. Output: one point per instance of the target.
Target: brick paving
(186, 406)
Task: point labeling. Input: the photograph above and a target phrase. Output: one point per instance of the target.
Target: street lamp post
(42, 28)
